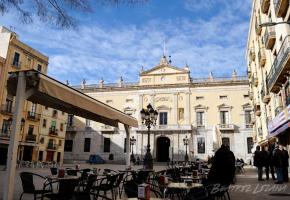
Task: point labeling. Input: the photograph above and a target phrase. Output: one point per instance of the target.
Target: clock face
(162, 78)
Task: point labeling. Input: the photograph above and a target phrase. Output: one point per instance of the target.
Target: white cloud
(94, 51)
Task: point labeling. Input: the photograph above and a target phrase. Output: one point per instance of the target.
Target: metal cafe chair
(27, 180)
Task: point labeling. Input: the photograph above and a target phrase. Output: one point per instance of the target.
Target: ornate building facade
(36, 140)
(268, 57)
(207, 111)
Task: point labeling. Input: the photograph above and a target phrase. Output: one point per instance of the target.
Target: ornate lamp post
(185, 141)
(148, 117)
(132, 143)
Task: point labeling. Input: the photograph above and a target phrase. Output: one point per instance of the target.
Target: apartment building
(202, 110)
(20, 56)
(268, 58)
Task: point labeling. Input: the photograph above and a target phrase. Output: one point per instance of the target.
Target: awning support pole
(128, 164)
(14, 137)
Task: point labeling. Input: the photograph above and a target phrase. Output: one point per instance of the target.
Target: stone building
(207, 111)
(34, 137)
(268, 58)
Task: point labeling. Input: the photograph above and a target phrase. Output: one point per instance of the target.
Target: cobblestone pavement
(247, 186)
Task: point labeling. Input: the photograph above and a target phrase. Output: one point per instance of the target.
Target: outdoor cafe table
(151, 198)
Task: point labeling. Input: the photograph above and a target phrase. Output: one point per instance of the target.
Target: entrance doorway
(3, 153)
(49, 155)
(27, 153)
(162, 153)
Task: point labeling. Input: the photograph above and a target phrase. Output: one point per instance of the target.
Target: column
(175, 108)
(141, 102)
(187, 109)
(152, 100)
(128, 164)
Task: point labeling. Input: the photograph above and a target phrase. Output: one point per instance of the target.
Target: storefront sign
(279, 123)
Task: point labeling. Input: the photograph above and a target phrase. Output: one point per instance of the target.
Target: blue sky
(114, 41)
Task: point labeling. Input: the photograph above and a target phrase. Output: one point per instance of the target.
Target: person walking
(266, 161)
(259, 159)
(278, 163)
(285, 164)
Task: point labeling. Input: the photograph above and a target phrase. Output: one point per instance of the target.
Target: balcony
(53, 131)
(269, 37)
(258, 27)
(16, 64)
(172, 127)
(54, 113)
(108, 129)
(280, 67)
(33, 116)
(30, 138)
(265, 95)
(71, 129)
(281, 7)
(5, 133)
(252, 54)
(251, 96)
(257, 109)
(226, 127)
(51, 146)
(249, 125)
(278, 110)
(255, 80)
(7, 109)
(262, 56)
(265, 4)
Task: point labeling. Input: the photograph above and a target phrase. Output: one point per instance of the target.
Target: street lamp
(273, 23)
(148, 117)
(185, 141)
(132, 143)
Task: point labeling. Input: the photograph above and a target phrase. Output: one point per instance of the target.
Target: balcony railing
(71, 129)
(53, 131)
(281, 7)
(33, 116)
(16, 64)
(280, 64)
(265, 4)
(166, 127)
(7, 109)
(51, 146)
(5, 133)
(269, 37)
(249, 125)
(31, 137)
(255, 80)
(265, 95)
(262, 56)
(226, 127)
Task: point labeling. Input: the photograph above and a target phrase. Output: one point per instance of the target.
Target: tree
(55, 11)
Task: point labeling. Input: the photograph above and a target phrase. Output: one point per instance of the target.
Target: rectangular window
(87, 145)
(6, 125)
(223, 97)
(40, 156)
(226, 141)
(180, 113)
(88, 123)
(16, 60)
(53, 125)
(200, 145)
(61, 127)
(125, 146)
(224, 117)
(199, 98)
(70, 120)
(200, 119)
(68, 145)
(39, 67)
(248, 119)
(107, 145)
(33, 109)
(44, 123)
(9, 104)
(163, 118)
(30, 130)
(250, 144)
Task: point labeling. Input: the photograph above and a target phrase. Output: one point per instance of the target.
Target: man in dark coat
(268, 163)
(223, 166)
(259, 162)
(278, 163)
(285, 164)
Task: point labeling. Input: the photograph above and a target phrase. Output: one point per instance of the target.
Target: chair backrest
(91, 180)
(142, 176)
(72, 172)
(119, 179)
(53, 170)
(27, 182)
(67, 186)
